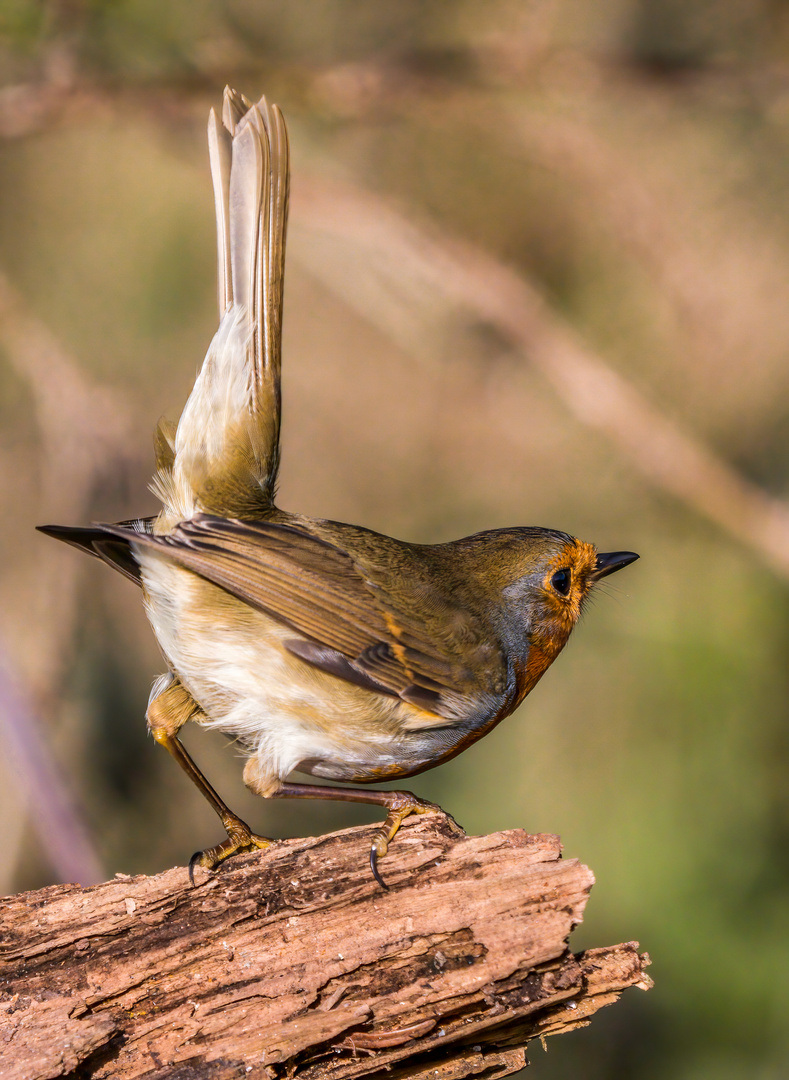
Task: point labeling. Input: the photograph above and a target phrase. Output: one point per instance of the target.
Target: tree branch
(293, 962)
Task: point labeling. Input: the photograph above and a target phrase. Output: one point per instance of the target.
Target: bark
(293, 962)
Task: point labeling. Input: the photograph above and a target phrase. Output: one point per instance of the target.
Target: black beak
(611, 561)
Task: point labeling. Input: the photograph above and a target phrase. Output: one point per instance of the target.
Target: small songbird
(322, 648)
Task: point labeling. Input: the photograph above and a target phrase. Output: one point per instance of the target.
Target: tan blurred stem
(83, 434)
(83, 427)
(413, 283)
(60, 830)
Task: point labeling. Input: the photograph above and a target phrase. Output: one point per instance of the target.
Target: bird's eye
(561, 582)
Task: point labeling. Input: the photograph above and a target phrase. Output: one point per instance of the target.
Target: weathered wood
(293, 961)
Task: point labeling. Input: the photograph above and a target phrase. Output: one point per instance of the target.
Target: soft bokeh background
(629, 161)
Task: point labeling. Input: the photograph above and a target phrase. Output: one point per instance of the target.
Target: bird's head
(544, 578)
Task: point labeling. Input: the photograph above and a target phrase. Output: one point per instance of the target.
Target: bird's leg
(171, 705)
(399, 805)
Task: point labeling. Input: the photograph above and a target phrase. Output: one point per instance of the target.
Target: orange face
(565, 585)
(546, 601)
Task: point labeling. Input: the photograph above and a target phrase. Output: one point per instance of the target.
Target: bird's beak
(611, 561)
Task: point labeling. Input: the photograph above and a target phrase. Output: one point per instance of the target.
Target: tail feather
(220, 156)
(248, 212)
(227, 443)
(271, 246)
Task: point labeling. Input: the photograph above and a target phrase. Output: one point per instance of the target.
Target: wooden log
(293, 962)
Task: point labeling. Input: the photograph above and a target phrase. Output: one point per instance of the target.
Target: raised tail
(224, 456)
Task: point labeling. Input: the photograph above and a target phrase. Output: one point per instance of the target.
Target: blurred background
(538, 274)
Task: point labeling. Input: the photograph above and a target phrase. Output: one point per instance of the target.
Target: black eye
(561, 582)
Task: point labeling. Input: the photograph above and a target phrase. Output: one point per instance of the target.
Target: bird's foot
(240, 839)
(401, 805)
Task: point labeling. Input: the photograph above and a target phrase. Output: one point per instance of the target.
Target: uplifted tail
(224, 456)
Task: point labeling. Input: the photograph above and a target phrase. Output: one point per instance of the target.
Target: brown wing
(318, 589)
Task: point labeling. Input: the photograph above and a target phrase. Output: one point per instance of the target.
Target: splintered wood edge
(293, 961)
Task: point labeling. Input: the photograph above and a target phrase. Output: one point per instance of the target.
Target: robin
(323, 648)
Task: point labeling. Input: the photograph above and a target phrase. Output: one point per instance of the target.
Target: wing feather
(322, 593)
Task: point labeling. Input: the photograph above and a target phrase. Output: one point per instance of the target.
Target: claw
(375, 870)
(195, 859)
(240, 838)
(401, 805)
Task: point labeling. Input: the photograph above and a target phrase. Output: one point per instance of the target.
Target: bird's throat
(528, 674)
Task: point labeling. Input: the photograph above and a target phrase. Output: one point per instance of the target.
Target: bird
(323, 648)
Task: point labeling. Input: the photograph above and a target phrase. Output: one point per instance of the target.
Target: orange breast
(526, 676)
